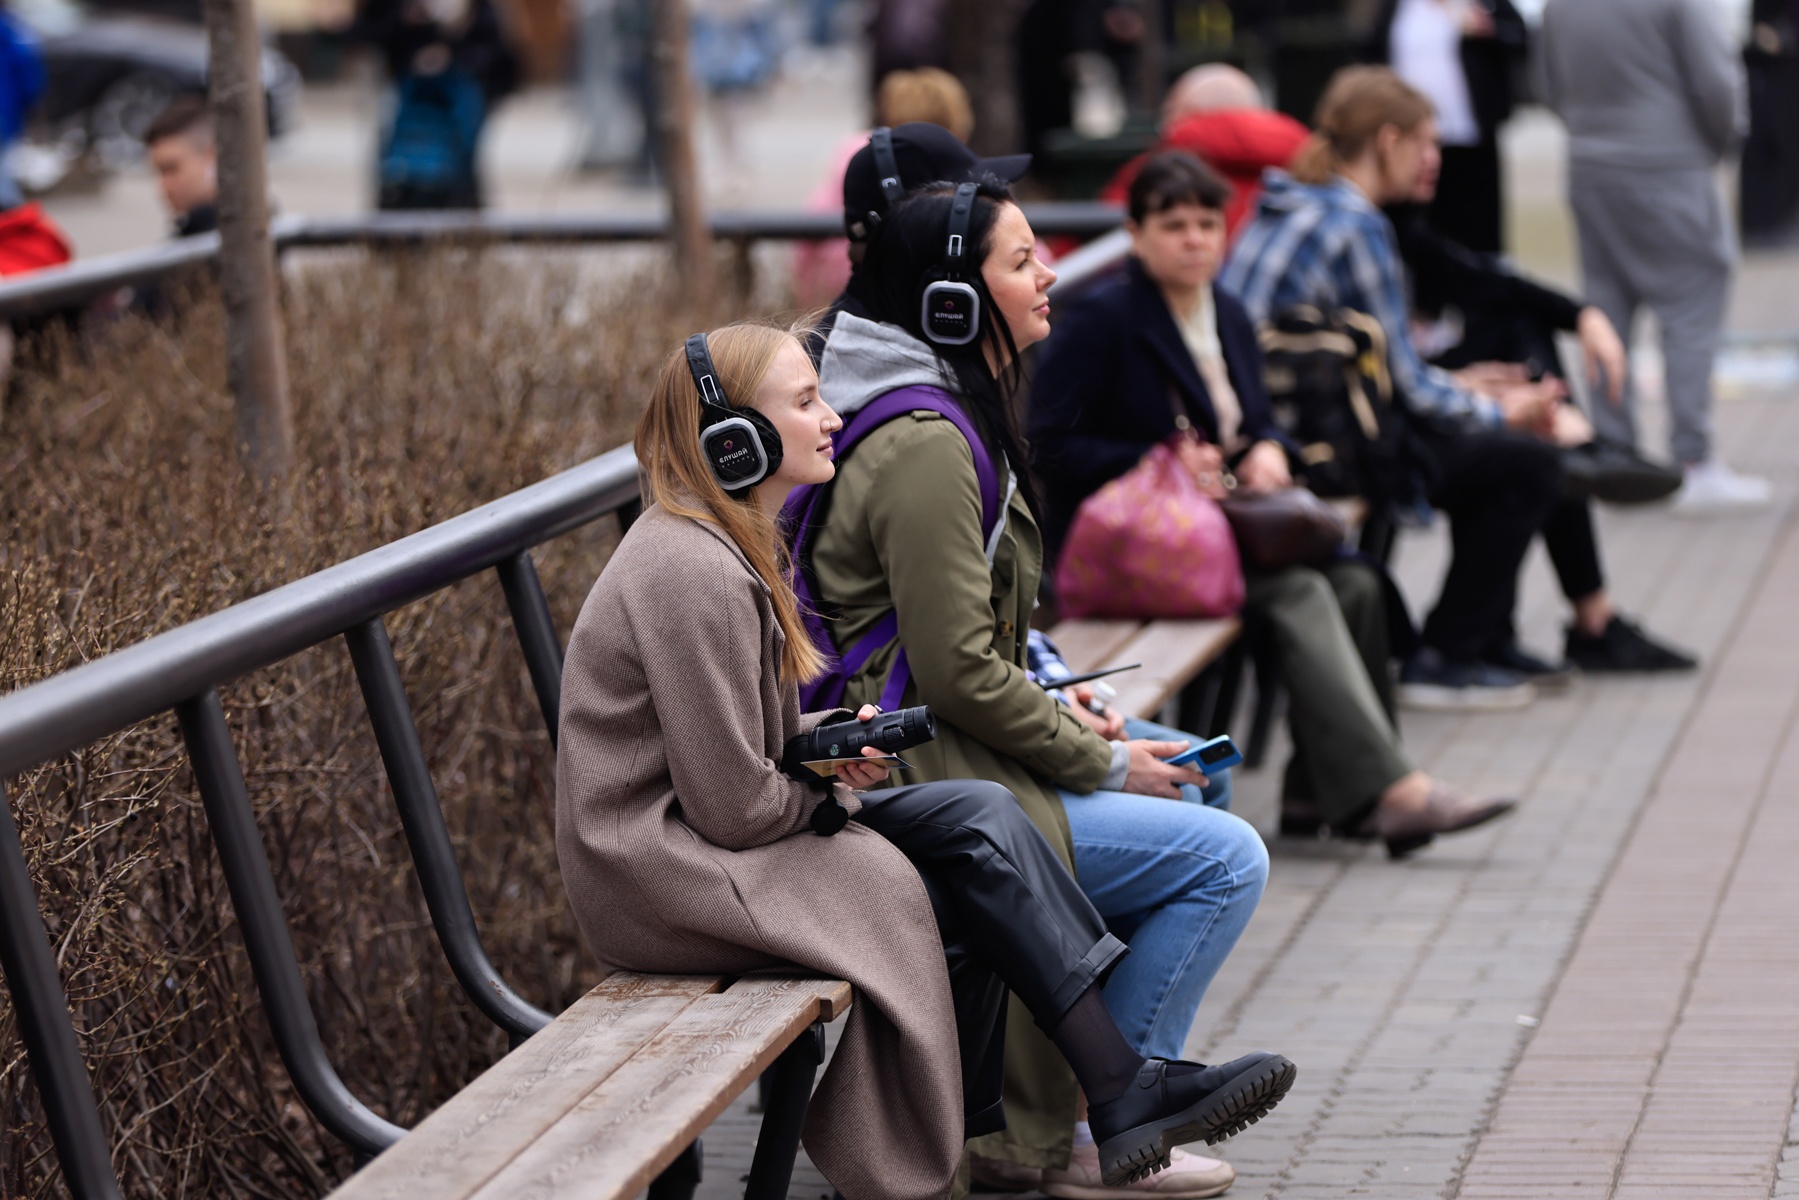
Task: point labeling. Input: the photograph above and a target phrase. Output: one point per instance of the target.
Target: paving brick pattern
(1639, 906)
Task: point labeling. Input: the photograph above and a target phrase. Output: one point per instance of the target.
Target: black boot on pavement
(1171, 1102)
(1624, 647)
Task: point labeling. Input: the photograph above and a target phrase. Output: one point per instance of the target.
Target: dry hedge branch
(423, 385)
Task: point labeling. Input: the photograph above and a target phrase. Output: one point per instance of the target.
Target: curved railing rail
(57, 288)
(182, 670)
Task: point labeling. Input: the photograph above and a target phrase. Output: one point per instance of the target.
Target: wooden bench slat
(622, 1134)
(1086, 645)
(1172, 654)
(484, 1126)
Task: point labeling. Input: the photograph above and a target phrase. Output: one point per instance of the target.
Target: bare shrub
(422, 386)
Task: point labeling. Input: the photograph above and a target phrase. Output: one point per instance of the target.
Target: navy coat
(1101, 391)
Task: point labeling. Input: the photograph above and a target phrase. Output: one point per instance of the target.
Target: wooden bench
(612, 1096)
(1189, 672)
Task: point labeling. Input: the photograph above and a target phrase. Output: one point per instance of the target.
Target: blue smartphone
(1207, 757)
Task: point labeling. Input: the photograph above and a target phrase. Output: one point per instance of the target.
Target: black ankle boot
(1159, 1111)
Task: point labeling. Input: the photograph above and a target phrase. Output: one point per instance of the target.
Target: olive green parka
(903, 532)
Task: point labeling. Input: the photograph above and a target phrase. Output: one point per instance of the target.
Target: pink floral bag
(1150, 544)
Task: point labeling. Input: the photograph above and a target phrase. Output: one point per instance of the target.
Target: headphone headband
(961, 213)
(705, 375)
(893, 188)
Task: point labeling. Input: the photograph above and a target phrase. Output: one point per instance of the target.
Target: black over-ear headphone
(950, 309)
(741, 444)
(893, 188)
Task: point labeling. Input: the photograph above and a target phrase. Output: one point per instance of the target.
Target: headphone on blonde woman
(949, 306)
(742, 446)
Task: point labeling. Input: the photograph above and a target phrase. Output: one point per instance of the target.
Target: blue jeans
(1217, 791)
(1176, 882)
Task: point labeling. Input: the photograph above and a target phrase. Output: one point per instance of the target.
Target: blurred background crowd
(549, 101)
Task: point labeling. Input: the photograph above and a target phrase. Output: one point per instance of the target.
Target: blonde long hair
(1358, 104)
(681, 480)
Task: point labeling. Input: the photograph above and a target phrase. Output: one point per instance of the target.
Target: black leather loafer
(1159, 1111)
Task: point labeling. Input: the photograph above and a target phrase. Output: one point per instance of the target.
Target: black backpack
(1326, 374)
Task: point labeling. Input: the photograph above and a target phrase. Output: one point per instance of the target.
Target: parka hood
(866, 359)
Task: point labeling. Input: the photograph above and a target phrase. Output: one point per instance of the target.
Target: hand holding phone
(1214, 754)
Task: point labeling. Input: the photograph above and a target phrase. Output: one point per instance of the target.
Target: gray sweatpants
(1658, 238)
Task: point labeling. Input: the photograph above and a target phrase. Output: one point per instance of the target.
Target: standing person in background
(1217, 114)
(1652, 94)
(21, 83)
(1461, 54)
(449, 62)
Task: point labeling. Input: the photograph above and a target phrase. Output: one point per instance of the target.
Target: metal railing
(182, 670)
(59, 288)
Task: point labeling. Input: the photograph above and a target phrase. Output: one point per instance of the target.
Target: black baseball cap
(925, 153)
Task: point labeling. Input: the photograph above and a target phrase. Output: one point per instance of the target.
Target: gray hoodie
(866, 359)
(1642, 83)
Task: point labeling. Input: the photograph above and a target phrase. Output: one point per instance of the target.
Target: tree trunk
(674, 135)
(983, 54)
(255, 358)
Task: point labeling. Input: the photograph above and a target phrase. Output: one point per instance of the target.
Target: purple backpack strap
(827, 690)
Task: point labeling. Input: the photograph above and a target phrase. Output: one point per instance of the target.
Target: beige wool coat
(685, 850)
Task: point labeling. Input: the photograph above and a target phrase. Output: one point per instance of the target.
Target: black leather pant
(1011, 916)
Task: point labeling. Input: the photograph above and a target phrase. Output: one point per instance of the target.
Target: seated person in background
(929, 94)
(1476, 314)
(922, 153)
(1319, 238)
(1105, 391)
(688, 850)
(180, 146)
(1217, 114)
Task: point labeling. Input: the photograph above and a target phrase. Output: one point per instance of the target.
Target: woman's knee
(1226, 850)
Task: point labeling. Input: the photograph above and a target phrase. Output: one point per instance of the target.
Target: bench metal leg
(789, 1091)
(681, 1177)
(1208, 703)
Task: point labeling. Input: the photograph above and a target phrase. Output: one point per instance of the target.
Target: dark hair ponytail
(905, 253)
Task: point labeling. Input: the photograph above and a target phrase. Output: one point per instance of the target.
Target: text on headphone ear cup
(951, 313)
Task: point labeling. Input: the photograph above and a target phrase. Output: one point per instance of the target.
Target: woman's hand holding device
(1151, 773)
(864, 775)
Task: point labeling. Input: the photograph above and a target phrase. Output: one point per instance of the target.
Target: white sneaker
(1712, 487)
(1187, 1177)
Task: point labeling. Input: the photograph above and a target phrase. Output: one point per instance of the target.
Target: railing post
(536, 628)
(421, 814)
(264, 928)
(45, 1026)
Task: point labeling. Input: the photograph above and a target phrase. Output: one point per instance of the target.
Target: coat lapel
(1155, 328)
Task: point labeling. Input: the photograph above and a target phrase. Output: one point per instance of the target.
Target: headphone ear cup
(769, 436)
(950, 312)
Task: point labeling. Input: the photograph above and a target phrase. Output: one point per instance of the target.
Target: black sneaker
(1171, 1102)
(1435, 684)
(1616, 473)
(1547, 676)
(1624, 647)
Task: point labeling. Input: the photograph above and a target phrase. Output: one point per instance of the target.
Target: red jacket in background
(1238, 143)
(30, 240)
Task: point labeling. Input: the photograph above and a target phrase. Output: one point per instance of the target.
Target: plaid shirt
(1327, 246)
